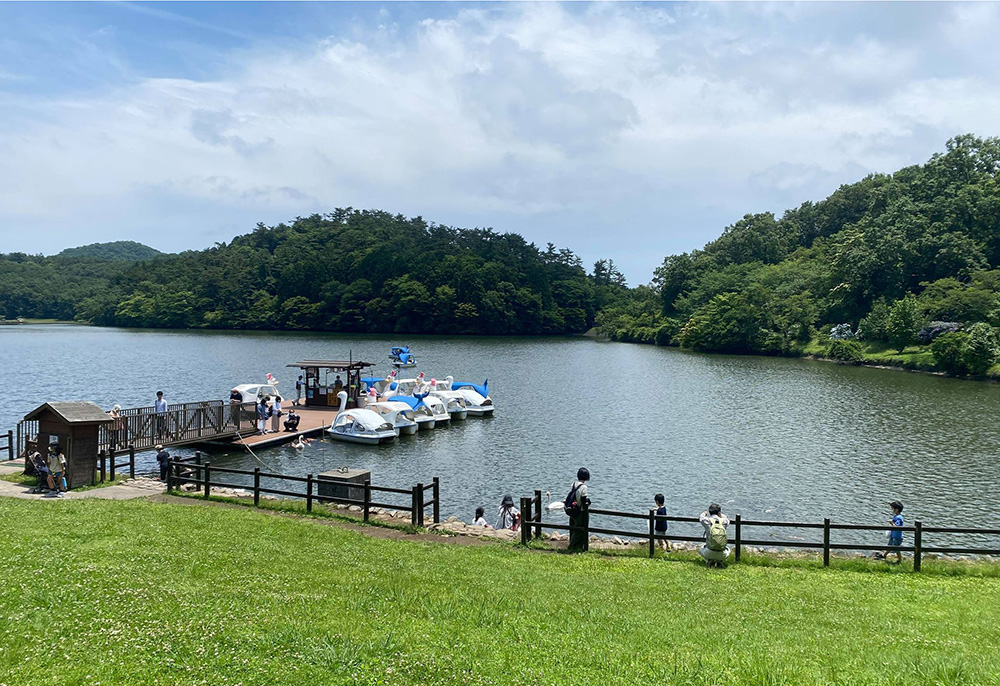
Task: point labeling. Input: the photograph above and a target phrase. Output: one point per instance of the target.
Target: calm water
(769, 438)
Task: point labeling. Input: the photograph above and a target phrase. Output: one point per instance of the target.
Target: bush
(728, 322)
(934, 329)
(844, 350)
(950, 351)
(982, 351)
(841, 332)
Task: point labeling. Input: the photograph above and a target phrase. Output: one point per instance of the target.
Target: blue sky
(628, 131)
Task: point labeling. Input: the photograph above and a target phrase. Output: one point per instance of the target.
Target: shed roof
(73, 413)
(340, 365)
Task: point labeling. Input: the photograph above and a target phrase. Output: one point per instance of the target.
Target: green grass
(132, 592)
(33, 481)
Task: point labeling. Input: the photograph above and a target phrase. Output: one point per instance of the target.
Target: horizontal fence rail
(207, 476)
(531, 508)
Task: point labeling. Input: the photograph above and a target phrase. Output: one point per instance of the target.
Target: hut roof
(72, 413)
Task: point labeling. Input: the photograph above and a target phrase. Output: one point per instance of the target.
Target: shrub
(842, 332)
(667, 331)
(950, 351)
(934, 329)
(844, 350)
(728, 322)
(982, 351)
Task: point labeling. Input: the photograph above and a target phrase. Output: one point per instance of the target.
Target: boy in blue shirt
(896, 532)
(660, 528)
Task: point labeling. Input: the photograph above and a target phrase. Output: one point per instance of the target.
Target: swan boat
(360, 425)
(429, 412)
(477, 396)
(400, 356)
(400, 415)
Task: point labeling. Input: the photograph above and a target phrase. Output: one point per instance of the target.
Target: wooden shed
(74, 426)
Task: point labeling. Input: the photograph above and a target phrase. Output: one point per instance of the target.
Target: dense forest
(117, 250)
(882, 264)
(350, 270)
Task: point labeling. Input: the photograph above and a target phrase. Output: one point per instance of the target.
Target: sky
(627, 131)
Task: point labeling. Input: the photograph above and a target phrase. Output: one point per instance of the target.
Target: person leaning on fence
(117, 430)
(508, 516)
(716, 547)
(163, 459)
(577, 505)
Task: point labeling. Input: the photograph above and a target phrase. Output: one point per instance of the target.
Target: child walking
(661, 525)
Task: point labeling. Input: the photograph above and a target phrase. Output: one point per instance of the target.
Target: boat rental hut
(75, 427)
(324, 379)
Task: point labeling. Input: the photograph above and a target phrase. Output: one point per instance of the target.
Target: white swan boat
(427, 411)
(360, 425)
(477, 396)
(400, 415)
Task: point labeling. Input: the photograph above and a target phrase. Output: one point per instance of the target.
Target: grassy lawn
(138, 593)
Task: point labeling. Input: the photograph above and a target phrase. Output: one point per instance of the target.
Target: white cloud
(558, 121)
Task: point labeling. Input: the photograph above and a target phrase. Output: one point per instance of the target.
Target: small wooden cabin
(75, 427)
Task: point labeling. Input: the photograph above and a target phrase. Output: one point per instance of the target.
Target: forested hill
(117, 250)
(883, 258)
(350, 270)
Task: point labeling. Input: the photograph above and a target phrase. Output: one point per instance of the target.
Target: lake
(771, 438)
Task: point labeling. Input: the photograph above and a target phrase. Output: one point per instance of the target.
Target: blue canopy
(401, 353)
(482, 389)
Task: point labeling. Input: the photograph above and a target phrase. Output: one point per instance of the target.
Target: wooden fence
(9, 437)
(194, 471)
(142, 428)
(532, 525)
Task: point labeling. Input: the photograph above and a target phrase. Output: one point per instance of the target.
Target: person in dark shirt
(163, 459)
(661, 524)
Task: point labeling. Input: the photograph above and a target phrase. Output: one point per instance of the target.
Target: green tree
(951, 352)
(982, 351)
(903, 322)
(729, 322)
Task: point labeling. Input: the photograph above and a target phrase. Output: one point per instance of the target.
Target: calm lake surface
(770, 438)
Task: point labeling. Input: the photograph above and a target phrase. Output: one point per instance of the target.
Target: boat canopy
(402, 353)
(482, 389)
(370, 420)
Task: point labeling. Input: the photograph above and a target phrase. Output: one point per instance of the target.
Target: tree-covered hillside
(116, 250)
(350, 270)
(883, 258)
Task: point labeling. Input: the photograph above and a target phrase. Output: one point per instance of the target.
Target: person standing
(117, 430)
(262, 414)
(276, 415)
(160, 407)
(163, 459)
(298, 392)
(896, 532)
(577, 506)
(716, 548)
(660, 528)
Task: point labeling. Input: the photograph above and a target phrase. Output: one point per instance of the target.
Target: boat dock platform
(314, 421)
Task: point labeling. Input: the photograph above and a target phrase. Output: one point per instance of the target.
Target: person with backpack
(716, 548)
(577, 506)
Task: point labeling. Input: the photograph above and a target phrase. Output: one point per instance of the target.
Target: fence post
(826, 542)
(420, 504)
(170, 477)
(538, 514)
(739, 536)
(413, 506)
(131, 461)
(10, 444)
(309, 492)
(368, 500)
(207, 475)
(525, 534)
(437, 500)
(197, 461)
(652, 530)
(256, 486)
(112, 470)
(103, 466)
(917, 544)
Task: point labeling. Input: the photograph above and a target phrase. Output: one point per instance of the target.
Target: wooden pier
(314, 421)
